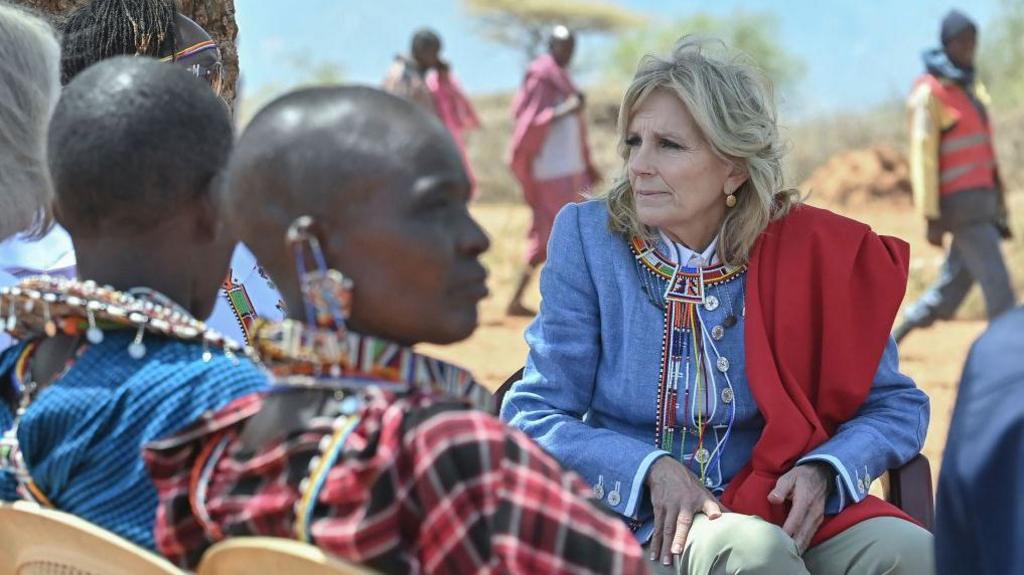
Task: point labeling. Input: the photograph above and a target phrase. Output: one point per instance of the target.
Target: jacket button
(727, 395)
(723, 364)
(711, 303)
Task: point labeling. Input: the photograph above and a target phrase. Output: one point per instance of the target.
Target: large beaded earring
(326, 293)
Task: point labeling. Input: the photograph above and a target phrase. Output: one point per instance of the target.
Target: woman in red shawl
(713, 356)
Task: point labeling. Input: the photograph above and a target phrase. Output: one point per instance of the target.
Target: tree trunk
(51, 7)
(215, 16)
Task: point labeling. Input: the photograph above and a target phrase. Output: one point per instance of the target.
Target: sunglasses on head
(209, 72)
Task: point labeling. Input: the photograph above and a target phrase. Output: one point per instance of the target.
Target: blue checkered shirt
(82, 435)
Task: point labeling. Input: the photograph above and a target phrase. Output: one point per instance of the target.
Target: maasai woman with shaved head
(104, 28)
(357, 203)
(119, 359)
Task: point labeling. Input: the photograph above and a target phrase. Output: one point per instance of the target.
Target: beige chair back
(245, 555)
(37, 541)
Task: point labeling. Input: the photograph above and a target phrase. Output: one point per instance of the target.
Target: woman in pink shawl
(549, 154)
(424, 78)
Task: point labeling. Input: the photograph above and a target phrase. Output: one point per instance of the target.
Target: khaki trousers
(736, 543)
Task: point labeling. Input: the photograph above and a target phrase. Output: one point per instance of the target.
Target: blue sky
(857, 52)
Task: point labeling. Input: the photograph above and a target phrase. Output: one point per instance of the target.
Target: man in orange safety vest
(955, 179)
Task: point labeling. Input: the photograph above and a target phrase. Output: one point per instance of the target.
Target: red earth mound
(874, 175)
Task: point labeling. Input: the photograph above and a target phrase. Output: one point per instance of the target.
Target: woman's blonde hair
(732, 103)
(29, 88)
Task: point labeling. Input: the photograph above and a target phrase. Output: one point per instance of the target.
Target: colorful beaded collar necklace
(43, 306)
(300, 355)
(684, 337)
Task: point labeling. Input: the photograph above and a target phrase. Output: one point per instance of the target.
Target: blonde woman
(29, 88)
(713, 356)
(30, 243)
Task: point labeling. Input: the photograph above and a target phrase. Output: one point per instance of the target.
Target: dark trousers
(974, 256)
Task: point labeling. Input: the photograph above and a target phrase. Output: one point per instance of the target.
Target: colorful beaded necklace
(304, 356)
(685, 337)
(44, 306)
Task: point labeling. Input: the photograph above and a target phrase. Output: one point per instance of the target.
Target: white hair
(29, 89)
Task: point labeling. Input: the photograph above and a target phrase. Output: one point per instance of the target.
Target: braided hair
(102, 29)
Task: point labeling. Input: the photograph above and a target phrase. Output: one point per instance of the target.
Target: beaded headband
(203, 46)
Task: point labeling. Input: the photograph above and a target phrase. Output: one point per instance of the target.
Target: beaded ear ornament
(321, 352)
(322, 340)
(45, 306)
(327, 293)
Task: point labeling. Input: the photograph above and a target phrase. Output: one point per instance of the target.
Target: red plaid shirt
(419, 486)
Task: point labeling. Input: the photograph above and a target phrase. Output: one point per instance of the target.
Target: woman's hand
(807, 486)
(677, 496)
